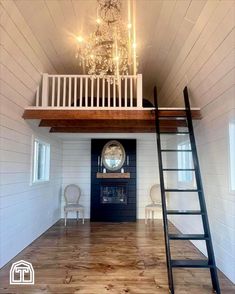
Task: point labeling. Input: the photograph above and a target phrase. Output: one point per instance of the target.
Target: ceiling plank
(41, 23)
(176, 23)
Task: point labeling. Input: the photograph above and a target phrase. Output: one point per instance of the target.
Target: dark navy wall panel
(113, 212)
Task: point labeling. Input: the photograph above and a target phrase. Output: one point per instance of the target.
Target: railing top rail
(89, 76)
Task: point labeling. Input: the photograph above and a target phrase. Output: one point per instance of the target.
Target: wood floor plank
(116, 258)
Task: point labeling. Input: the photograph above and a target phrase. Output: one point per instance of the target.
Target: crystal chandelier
(110, 49)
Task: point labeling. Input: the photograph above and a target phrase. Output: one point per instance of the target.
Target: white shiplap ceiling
(172, 36)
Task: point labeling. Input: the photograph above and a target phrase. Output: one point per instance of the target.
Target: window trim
(34, 161)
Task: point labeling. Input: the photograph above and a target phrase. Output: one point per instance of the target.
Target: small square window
(232, 155)
(41, 161)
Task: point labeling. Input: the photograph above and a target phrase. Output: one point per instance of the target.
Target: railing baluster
(81, 86)
(139, 91)
(109, 92)
(75, 92)
(131, 92)
(120, 92)
(92, 91)
(58, 92)
(98, 92)
(86, 92)
(70, 92)
(45, 90)
(53, 92)
(125, 91)
(114, 93)
(64, 92)
(103, 92)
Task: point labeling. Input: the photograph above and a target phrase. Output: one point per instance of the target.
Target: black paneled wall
(108, 211)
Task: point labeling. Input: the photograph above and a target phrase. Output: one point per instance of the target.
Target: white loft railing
(86, 92)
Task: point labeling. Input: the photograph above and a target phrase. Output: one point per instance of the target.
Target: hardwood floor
(99, 258)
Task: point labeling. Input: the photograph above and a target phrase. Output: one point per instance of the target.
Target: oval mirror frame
(120, 152)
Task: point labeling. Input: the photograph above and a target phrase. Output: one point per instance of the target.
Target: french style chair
(156, 205)
(72, 195)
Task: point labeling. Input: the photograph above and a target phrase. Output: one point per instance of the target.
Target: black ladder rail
(206, 236)
(163, 198)
(210, 251)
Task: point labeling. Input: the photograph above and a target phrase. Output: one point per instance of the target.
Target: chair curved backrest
(72, 194)
(155, 194)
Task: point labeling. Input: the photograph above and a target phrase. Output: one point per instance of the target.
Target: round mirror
(113, 155)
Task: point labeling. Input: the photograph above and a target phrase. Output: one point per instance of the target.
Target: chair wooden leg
(77, 216)
(152, 215)
(65, 218)
(146, 216)
(83, 216)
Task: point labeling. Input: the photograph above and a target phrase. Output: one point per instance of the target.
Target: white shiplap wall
(25, 211)
(212, 135)
(76, 167)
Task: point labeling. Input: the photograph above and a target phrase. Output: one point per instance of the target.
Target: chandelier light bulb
(134, 45)
(129, 25)
(98, 21)
(79, 39)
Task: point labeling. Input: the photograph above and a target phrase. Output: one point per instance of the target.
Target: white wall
(25, 211)
(76, 167)
(212, 135)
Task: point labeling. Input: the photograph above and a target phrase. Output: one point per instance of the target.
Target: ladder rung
(175, 150)
(178, 169)
(191, 263)
(166, 117)
(172, 133)
(185, 212)
(182, 190)
(188, 237)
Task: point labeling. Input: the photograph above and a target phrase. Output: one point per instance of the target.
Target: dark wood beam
(102, 114)
(108, 129)
(106, 123)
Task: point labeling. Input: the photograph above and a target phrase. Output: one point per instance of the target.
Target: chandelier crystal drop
(110, 49)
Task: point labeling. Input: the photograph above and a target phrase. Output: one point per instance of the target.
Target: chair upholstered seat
(73, 207)
(152, 206)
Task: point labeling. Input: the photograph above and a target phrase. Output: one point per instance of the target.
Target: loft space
(87, 104)
(169, 57)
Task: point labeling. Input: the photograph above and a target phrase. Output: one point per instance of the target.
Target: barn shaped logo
(22, 273)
